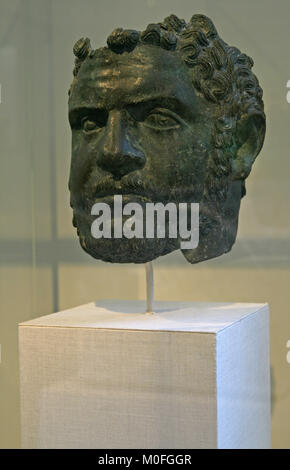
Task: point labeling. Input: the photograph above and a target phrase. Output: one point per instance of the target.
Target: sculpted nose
(118, 155)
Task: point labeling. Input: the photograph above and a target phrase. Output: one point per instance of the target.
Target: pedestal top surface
(201, 317)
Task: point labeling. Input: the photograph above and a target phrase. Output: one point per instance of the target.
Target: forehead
(110, 80)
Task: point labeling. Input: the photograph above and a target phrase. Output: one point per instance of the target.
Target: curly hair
(222, 74)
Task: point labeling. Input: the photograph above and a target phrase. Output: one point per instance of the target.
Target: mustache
(106, 185)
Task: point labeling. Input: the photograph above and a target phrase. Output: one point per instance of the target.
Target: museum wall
(43, 269)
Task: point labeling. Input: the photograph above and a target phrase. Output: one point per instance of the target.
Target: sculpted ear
(250, 133)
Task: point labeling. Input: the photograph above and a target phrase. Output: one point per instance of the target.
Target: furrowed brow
(143, 102)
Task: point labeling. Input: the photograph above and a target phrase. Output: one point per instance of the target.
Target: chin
(123, 250)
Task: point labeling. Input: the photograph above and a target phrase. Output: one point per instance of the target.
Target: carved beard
(219, 210)
(124, 250)
(217, 235)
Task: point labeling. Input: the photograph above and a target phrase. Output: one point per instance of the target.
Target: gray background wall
(42, 267)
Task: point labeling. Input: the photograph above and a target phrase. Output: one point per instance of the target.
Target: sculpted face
(141, 129)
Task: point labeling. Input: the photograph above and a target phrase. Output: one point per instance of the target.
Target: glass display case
(43, 269)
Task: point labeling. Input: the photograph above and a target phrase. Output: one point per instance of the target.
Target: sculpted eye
(163, 120)
(88, 125)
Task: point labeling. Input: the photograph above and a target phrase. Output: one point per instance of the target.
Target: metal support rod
(149, 287)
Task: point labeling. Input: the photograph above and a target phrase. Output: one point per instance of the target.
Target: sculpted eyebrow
(138, 108)
(161, 101)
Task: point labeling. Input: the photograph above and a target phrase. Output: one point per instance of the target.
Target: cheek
(192, 159)
(177, 156)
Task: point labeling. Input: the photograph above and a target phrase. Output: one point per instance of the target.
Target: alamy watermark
(178, 220)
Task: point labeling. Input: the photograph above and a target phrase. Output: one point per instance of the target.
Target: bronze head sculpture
(171, 114)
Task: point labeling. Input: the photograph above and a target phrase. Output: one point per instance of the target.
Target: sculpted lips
(105, 190)
(130, 187)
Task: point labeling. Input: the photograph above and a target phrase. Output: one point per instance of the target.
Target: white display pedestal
(191, 375)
